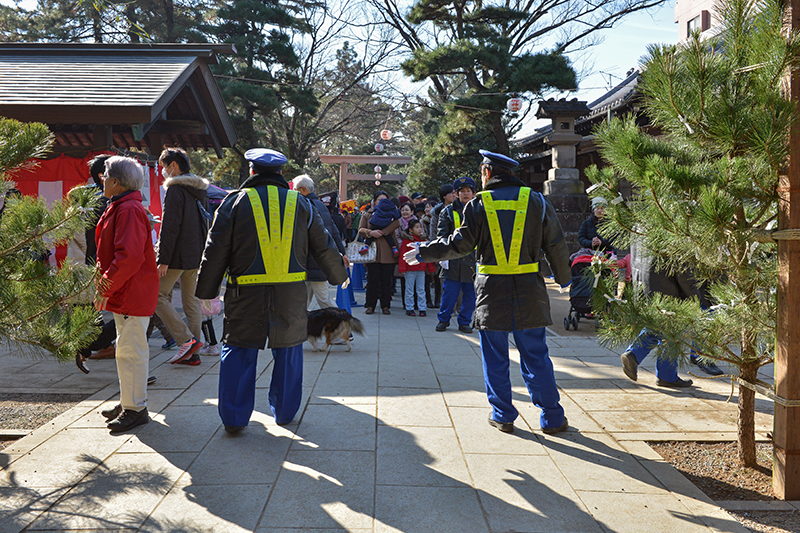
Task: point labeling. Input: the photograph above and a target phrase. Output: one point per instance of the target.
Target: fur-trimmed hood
(189, 180)
(183, 233)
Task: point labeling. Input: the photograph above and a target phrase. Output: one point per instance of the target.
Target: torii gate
(345, 160)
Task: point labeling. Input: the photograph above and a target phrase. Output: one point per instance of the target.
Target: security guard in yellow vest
(510, 226)
(259, 243)
(457, 274)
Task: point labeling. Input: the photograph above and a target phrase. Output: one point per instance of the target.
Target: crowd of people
(277, 248)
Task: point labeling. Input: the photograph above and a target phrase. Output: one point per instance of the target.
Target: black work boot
(505, 427)
(111, 414)
(129, 419)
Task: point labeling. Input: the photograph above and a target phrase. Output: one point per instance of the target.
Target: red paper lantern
(386, 135)
(377, 183)
(514, 104)
(378, 176)
(379, 147)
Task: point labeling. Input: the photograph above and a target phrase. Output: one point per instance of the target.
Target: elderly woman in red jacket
(128, 286)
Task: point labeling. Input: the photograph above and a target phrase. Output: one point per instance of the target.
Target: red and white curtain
(52, 179)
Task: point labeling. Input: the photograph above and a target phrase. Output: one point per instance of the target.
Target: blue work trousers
(537, 372)
(237, 384)
(450, 290)
(665, 370)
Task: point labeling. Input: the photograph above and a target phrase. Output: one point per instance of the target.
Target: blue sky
(625, 44)
(621, 50)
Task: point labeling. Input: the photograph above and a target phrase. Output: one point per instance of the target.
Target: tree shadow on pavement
(598, 467)
(89, 504)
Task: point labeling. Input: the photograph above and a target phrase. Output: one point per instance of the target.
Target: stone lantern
(564, 188)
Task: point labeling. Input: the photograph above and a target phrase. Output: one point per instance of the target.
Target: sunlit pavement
(392, 436)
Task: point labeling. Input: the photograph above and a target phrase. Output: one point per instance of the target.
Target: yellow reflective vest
(275, 242)
(507, 265)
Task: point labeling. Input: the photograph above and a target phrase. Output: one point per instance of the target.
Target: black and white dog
(332, 323)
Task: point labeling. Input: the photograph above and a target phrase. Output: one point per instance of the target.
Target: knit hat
(444, 190)
(598, 201)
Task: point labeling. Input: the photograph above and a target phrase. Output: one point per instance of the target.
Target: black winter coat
(313, 271)
(183, 234)
(341, 225)
(517, 301)
(91, 227)
(435, 213)
(460, 270)
(588, 231)
(681, 284)
(254, 313)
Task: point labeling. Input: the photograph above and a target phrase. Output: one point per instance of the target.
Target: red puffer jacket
(405, 267)
(126, 257)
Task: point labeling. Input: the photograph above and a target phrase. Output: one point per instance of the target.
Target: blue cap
(460, 183)
(492, 158)
(265, 157)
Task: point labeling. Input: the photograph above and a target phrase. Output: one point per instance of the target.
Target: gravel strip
(30, 411)
(769, 521)
(712, 468)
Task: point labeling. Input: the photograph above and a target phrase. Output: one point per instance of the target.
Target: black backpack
(206, 219)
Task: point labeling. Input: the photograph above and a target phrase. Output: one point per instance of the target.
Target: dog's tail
(357, 326)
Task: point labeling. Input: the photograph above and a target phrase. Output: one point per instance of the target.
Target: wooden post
(102, 138)
(343, 181)
(786, 458)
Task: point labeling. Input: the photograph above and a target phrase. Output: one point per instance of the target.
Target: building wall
(694, 14)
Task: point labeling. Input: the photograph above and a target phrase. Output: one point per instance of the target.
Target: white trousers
(322, 291)
(133, 360)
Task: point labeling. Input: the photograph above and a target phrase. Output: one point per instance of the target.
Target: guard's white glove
(412, 256)
(564, 288)
(346, 283)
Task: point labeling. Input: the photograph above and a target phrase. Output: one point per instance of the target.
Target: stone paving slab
(355, 428)
(21, 505)
(420, 456)
(228, 508)
(528, 494)
(120, 493)
(390, 437)
(318, 489)
(654, 513)
(345, 387)
(425, 509)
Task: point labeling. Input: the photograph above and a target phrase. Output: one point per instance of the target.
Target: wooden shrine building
(124, 96)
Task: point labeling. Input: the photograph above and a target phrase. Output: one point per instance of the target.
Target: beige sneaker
(210, 349)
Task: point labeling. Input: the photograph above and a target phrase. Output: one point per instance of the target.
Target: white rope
(755, 387)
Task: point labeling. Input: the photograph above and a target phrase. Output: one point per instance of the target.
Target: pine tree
(261, 75)
(705, 192)
(488, 48)
(106, 21)
(446, 147)
(37, 314)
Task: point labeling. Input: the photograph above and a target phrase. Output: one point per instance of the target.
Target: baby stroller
(580, 292)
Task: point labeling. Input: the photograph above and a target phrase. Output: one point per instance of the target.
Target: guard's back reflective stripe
(275, 242)
(507, 265)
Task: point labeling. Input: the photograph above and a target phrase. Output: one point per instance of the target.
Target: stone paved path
(391, 437)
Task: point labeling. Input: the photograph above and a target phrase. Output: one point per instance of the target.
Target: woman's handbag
(360, 252)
